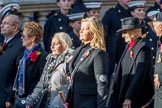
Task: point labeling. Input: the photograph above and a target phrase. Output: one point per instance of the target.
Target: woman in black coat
(31, 63)
(89, 68)
(133, 84)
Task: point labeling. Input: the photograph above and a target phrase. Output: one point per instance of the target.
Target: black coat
(8, 68)
(151, 41)
(55, 23)
(33, 70)
(134, 79)
(112, 22)
(75, 39)
(153, 8)
(89, 86)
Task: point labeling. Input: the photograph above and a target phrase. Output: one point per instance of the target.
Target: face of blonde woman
(56, 46)
(85, 33)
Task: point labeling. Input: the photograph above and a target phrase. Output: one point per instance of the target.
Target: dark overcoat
(8, 68)
(112, 22)
(156, 7)
(33, 70)
(136, 82)
(55, 23)
(89, 85)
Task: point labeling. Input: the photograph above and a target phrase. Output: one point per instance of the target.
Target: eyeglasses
(6, 23)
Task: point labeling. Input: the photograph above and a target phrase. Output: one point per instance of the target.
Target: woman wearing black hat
(133, 84)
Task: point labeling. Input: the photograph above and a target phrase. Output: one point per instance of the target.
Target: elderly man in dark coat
(13, 46)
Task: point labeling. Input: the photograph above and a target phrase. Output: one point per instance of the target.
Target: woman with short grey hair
(55, 75)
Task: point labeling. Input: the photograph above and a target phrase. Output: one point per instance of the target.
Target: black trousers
(20, 102)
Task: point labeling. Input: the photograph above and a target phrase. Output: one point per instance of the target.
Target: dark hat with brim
(129, 23)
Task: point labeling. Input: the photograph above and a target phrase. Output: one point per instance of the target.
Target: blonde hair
(34, 29)
(96, 27)
(64, 39)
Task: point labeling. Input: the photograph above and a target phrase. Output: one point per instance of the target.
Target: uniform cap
(157, 17)
(93, 5)
(10, 8)
(135, 4)
(152, 13)
(76, 16)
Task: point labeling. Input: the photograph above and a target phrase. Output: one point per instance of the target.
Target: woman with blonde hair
(89, 68)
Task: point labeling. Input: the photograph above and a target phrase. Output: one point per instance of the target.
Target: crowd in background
(78, 60)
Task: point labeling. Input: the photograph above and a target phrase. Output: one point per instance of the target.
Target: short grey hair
(64, 38)
(16, 20)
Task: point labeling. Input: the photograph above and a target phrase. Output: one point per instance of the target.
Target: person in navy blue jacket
(58, 22)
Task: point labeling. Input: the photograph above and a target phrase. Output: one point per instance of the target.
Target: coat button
(150, 39)
(55, 14)
(153, 57)
(152, 48)
(23, 101)
(61, 28)
(59, 19)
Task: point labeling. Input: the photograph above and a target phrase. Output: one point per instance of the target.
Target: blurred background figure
(78, 4)
(112, 22)
(55, 74)
(93, 9)
(58, 22)
(75, 16)
(89, 68)
(12, 47)
(137, 9)
(157, 6)
(30, 63)
(6, 10)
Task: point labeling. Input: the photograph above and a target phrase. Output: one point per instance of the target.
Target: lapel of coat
(75, 55)
(38, 48)
(88, 52)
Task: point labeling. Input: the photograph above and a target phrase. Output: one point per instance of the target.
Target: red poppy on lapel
(34, 55)
(131, 54)
(85, 55)
(2, 47)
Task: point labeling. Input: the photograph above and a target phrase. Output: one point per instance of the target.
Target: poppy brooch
(34, 55)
